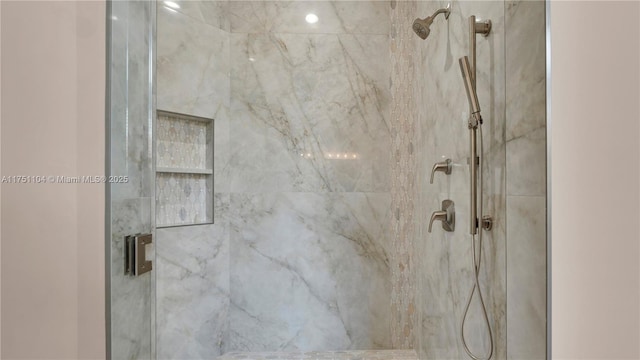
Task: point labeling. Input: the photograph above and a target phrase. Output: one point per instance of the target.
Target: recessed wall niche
(184, 170)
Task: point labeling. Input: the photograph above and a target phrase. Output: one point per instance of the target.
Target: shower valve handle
(447, 215)
(444, 166)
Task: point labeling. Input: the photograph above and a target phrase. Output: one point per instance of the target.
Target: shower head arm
(421, 26)
(446, 11)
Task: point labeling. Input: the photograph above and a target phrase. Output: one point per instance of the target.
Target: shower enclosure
(278, 155)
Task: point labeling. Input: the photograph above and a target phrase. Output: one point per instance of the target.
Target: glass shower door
(130, 197)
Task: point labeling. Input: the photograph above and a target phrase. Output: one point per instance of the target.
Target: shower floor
(324, 355)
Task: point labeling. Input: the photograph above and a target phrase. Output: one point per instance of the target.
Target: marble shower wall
(403, 169)
(510, 76)
(298, 257)
(309, 176)
(526, 179)
(444, 272)
(192, 263)
(130, 204)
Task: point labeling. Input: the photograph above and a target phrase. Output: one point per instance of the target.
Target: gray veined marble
(526, 276)
(444, 271)
(334, 17)
(192, 66)
(131, 309)
(324, 355)
(130, 204)
(301, 104)
(193, 288)
(525, 67)
(309, 272)
(210, 12)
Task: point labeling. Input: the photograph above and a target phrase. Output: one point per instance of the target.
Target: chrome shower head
(421, 26)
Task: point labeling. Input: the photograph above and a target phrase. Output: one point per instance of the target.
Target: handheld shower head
(421, 26)
(472, 96)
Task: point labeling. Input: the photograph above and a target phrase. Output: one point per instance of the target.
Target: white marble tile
(526, 277)
(444, 269)
(192, 66)
(309, 271)
(211, 12)
(131, 310)
(131, 304)
(300, 103)
(325, 355)
(130, 120)
(334, 17)
(445, 277)
(193, 289)
(525, 67)
(526, 164)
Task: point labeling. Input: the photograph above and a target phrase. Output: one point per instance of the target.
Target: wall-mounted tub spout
(421, 26)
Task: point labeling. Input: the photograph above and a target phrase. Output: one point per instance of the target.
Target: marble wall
(192, 262)
(130, 204)
(403, 169)
(510, 76)
(526, 179)
(445, 272)
(298, 257)
(309, 176)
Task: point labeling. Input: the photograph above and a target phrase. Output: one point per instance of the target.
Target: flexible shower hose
(476, 260)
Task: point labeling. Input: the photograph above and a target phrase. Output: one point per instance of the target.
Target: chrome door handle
(135, 263)
(444, 166)
(447, 216)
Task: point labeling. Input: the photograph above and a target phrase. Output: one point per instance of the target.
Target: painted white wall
(52, 120)
(595, 167)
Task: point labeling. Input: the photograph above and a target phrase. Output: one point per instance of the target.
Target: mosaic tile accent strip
(183, 199)
(403, 169)
(324, 355)
(183, 142)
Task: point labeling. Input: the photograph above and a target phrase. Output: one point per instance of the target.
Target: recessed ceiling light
(311, 18)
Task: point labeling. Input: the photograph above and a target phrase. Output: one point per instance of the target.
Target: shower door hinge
(135, 257)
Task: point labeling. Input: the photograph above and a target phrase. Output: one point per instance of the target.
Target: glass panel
(130, 205)
(326, 118)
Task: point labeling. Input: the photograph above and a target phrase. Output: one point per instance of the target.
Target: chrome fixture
(421, 26)
(476, 161)
(472, 96)
(482, 27)
(475, 119)
(444, 166)
(447, 215)
(135, 258)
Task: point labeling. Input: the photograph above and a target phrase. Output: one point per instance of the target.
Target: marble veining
(511, 92)
(193, 288)
(325, 355)
(334, 17)
(444, 272)
(309, 271)
(300, 103)
(130, 204)
(526, 179)
(192, 66)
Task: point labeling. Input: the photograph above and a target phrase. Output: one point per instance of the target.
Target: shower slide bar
(476, 163)
(469, 74)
